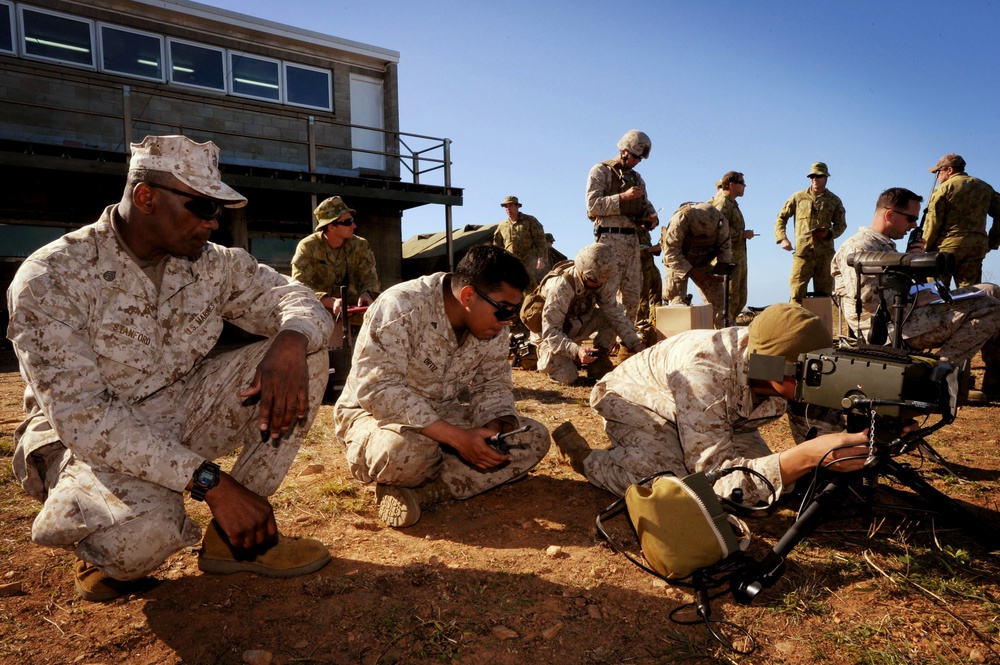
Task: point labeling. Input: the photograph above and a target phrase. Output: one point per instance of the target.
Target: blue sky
(533, 94)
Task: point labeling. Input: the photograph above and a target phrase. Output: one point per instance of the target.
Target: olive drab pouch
(534, 302)
(680, 524)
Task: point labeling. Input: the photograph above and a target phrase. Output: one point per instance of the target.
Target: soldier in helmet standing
(618, 205)
(819, 218)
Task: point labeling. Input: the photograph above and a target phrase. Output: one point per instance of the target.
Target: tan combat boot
(288, 557)
(95, 585)
(574, 448)
(399, 507)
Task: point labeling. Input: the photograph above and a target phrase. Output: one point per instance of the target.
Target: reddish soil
(473, 582)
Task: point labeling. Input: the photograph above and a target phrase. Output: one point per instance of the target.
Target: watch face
(205, 477)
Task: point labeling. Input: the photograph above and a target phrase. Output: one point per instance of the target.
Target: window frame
(329, 78)
(208, 47)
(23, 36)
(159, 37)
(12, 24)
(231, 76)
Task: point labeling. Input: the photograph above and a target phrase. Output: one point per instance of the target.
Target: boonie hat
(819, 169)
(549, 237)
(510, 199)
(951, 159)
(329, 210)
(788, 330)
(194, 164)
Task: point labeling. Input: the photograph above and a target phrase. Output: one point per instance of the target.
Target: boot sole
(230, 566)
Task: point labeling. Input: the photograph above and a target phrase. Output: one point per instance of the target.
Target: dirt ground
(476, 581)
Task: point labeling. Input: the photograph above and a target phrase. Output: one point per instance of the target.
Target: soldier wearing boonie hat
(819, 219)
(956, 218)
(523, 236)
(128, 411)
(731, 187)
(690, 403)
(333, 256)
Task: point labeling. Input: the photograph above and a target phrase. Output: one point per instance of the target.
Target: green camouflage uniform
(812, 258)
(956, 223)
(525, 239)
(697, 236)
(652, 284)
(324, 269)
(738, 281)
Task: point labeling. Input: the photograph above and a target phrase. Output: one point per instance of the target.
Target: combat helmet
(636, 142)
(595, 262)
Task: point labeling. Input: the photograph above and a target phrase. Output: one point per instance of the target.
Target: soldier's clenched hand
(282, 381)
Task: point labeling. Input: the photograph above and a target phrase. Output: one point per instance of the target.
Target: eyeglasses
(346, 222)
(503, 312)
(910, 218)
(201, 207)
(739, 182)
(637, 158)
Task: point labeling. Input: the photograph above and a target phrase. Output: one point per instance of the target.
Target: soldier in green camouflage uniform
(523, 236)
(732, 186)
(651, 295)
(333, 257)
(819, 219)
(956, 218)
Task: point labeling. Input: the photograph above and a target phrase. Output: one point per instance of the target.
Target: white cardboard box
(672, 319)
(821, 307)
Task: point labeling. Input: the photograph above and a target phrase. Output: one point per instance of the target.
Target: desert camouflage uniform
(571, 314)
(812, 257)
(651, 294)
(409, 371)
(525, 239)
(958, 330)
(324, 269)
(730, 209)
(122, 403)
(607, 211)
(956, 223)
(684, 405)
(696, 237)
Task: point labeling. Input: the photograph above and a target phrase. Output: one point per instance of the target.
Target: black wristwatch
(205, 478)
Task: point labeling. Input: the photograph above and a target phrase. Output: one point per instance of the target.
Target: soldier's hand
(365, 299)
(632, 193)
(748, 234)
(701, 277)
(822, 234)
(583, 355)
(786, 245)
(246, 518)
(916, 247)
(282, 381)
(470, 444)
(336, 307)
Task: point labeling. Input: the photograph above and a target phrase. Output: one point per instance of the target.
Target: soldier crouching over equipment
(578, 301)
(423, 344)
(691, 403)
(112, 325)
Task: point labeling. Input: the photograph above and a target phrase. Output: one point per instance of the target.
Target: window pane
(57, 38)
(255, 78)
(307, 87)
(131, 53)
(196, 65)
(6, 32)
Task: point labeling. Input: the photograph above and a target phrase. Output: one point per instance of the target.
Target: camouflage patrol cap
(950, 160)
(819, 169)
(788, 330)
(194, 164)
(329, 210)
(636, 142)
(510, 199)
(595, 262)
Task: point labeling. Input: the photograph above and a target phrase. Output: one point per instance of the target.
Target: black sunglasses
(911, 218)
(503, 313)
(201, 207)
(346, 222)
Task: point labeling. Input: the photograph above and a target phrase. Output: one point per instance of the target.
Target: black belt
(615, 229)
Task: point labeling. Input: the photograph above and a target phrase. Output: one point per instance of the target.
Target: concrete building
(298, 116)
